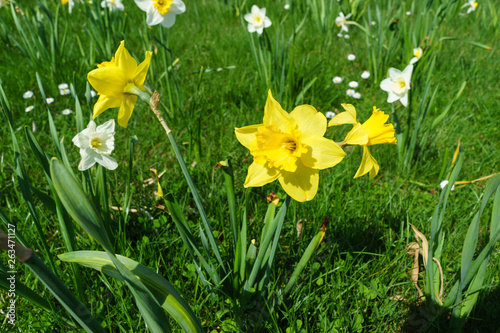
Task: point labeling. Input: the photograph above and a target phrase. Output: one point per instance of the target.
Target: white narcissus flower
(341, 21)
(96, 145)
(257, 20)
(398, 84)
(161, 11)
(70, 3)
(417, 52)
(472, 6)
(113, 4)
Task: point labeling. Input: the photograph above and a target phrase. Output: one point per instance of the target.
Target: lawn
(200, 209)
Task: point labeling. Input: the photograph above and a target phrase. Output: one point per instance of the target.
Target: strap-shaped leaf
(166, 295)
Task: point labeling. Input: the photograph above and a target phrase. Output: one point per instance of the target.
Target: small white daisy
(287, 7)
(353, 84)
(356, 95)
(408, 13)
(64, 92)
(346, 36)
(63, 86)
(93, 93)
(337, 80)
(373, 23)
(365, 75)
(329, 114)
(351, 57)
(28, 94)
(67, 112)
(350, 92)
(49, 100)
(29, 108)
(340, 35)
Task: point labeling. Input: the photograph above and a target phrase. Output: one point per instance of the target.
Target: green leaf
(166, 295)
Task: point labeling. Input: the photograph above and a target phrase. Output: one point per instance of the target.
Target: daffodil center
(475, 5)
(96, 143)
(399, 86)
(280, 150)
(162, 6)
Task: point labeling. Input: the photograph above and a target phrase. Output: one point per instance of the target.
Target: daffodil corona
(374, 131)
(289, 147)
(118, 83)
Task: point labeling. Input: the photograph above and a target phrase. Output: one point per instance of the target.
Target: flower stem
(154, 102)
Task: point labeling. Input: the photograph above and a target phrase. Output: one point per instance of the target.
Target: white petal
(107, 161)
(177, 7)
(413, 60)
(407, 74)
(386, 84)
(154, 17)
(394, 73)
(108, 127)
(255, 10)
(392, 97)
(251, 28)
(404, 99)
(248, 17)
(260, 30)
(168, 20)
(263, 12)
(144, 5)
(267, 22)
(87, 161)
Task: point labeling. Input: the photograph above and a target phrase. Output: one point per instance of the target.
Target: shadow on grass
(484, 317)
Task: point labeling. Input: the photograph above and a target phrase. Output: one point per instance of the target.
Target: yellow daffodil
(289, 147)
(374, 131)
(118, 83)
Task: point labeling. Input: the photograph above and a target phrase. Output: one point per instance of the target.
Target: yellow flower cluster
(291, 147)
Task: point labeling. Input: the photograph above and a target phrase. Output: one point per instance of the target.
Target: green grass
(359, 279)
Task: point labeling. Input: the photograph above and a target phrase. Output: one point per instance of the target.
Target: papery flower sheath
(96, 145)
(161, 11)
(118, 83)
(374, 131)
(289, 147)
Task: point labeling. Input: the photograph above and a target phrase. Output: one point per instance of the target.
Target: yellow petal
(322, 153)
(378, 131)
(275, 115)
(104, 102)
(368, 164)
(347, 117)
(309, 121)
(126, 110)
(357, 136)
(246, 135)
(260, 175)
(302, 184)
(142, 70)
(108, 81)
(124, 60)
